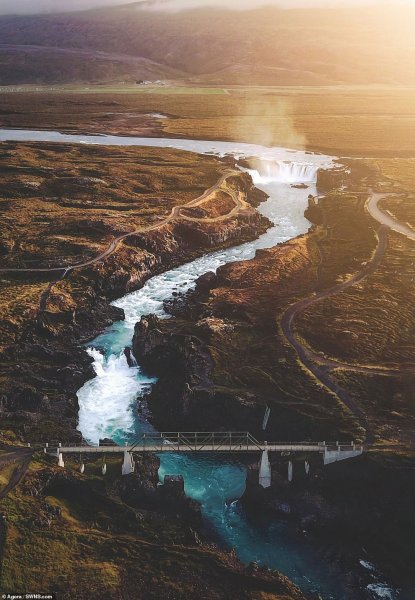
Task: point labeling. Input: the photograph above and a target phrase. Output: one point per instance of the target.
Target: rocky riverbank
(223, 358)
(85, 534)
(354, 513)
(89, 536)
(47, 318)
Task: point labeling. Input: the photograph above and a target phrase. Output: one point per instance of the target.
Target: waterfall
(283, 171)
(105, 408)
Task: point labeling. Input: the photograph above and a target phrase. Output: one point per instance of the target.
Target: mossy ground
(78, 539)
(372, 323)
(64, 204)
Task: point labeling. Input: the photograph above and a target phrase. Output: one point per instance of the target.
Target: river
(108, 403)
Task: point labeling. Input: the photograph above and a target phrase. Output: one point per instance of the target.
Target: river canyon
(108, 402)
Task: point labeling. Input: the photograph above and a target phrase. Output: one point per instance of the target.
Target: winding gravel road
(321, 366)
(14, 455)
(385, 218)
(175, 213)
(316, 364)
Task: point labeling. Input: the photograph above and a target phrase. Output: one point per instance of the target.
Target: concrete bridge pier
(331, 456)
(290, 471)
(265, 470)
(307, 467)
(60, 460)
(128, 463)
(266, 418)
(82, 468)
(104, 469)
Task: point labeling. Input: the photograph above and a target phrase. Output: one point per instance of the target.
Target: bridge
(212, 442)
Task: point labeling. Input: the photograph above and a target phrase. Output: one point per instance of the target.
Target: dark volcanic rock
(330, 179)
(348, 505)
(142, 490)
(184, 395)
(314, 212)
(139, 489)
(206, 281)
(177, 306)
(129, 357)
(175, 501)
(106, 442)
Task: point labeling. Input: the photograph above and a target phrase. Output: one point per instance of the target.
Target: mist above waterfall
(269, 123)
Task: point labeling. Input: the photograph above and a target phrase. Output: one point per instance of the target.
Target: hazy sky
(33, 6)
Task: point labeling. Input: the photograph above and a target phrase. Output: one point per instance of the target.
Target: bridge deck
(156, 448)
(204, 442)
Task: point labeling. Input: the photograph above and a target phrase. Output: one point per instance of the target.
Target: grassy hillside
(269, 46)
(77, 536)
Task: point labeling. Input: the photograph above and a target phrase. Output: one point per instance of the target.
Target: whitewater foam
(367, 565)
(108, 402)
(381, 590)
(105, 402)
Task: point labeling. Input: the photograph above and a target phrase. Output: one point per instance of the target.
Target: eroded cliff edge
(232, 360)
(110, 537)
(49, 313)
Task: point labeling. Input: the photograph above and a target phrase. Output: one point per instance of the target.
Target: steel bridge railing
(230, 441)
(198, 441)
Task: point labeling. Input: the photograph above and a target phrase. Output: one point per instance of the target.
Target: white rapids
(284, 208)
(108, 402)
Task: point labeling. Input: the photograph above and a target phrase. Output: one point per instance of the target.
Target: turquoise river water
(108, 402)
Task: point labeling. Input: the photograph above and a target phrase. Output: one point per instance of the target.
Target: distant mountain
(266, 46)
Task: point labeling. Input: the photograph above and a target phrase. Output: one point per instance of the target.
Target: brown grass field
(76, 536)
(62, 205)
(358, 121)
(66, 203)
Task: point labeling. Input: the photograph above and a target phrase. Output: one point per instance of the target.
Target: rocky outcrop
(330, 179)
(184, 395)
(314, 213)
(142, 490)
(219, 362)
(348, 172)
(43, 376)
(77, 308)
(346, 506)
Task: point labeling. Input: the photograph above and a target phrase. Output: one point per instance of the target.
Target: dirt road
(174, 214)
